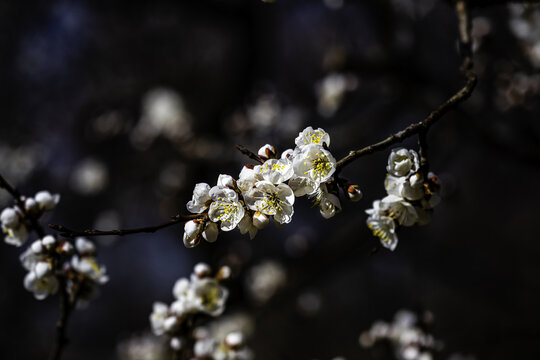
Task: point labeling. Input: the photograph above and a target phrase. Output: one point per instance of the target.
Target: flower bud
(260, 220)
(170, 323)
(190, 242)
(225, 180)
(267, 152)
(47, 201)
(176, 343)
(48, 241)
(354, 193)
(234, 340)
(84, 246)
(31, 206)
(202, 270)
(9, 218)
(66, 247)
(37, 247)
(223, 273)
(42, 268)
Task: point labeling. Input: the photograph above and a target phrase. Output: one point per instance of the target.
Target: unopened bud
(37, 247)
(48, 241)
(31, 206)
(223, 273)
(267, 152)
(234, 340)
(176, 343)
(191, 242)
(354, 193)
(202, 270)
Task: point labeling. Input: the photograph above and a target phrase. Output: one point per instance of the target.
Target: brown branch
(244, 150)
(66, 308)
(64, 231)
(460, 96)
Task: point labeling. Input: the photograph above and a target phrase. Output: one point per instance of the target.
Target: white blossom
(201, 198)
(88, 266)
(384, 228)
(410, 188)
(399, 209)
(309, 136)
(302, 185)
(246, 225)
(29, 258)
(249, 177)
(403, 162)
(42, 286)
(48, 241)
(315, 163)
(84, 246)
(276, 171)
(9, 218)
(42, 268)
(46, 200)
(16, 236)
(209, 296)
(273, 200)
(157, 318)
(328, 203)
(225, 208)
(225, 181)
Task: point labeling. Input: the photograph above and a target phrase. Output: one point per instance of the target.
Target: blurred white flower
(41, 286)
(46, 200)
(163, 114)
(89, 177)
(264, 280)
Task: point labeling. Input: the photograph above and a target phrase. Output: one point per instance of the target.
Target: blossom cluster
(267, 191)
(14, 218)
(409, 341)
(410, 200)
(232, 347)
(201, 294)
(48, 258)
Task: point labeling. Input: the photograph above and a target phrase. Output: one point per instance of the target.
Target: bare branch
(64, 231)
(244, 150)
(460, 96)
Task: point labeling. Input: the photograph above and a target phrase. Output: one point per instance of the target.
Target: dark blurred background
(123, 107)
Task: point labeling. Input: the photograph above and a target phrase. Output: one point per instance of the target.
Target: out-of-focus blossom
(264, 280)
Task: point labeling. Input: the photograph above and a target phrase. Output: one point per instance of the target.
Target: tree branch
(244, 150)
(66, 232)
(66, 307)
(464, 26)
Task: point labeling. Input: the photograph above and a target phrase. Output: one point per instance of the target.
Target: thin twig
(66, 232)
(66, 307)
(244, 150)
(460, 96)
